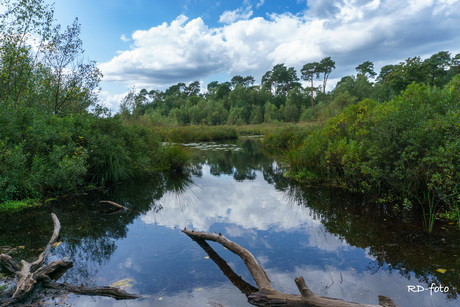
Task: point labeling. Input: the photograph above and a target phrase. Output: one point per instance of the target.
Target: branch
(257, 272)
(267, 295)
(236, 280)
(9, 263)
(113, 204)
(29, 274)
(115, 293)
(57, 227)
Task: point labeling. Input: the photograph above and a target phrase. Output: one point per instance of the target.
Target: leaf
(199, 289)
(56, 244)
(21, 247)
(207, 257)
(124, 283)
(442, 271)
(160, 298)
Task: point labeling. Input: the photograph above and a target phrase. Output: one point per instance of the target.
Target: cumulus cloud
(182, 50)
(350, 31)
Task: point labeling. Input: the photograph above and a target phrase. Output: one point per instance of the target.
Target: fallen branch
(113, 204)
(29, 274)
(115, 293)
(266, 294)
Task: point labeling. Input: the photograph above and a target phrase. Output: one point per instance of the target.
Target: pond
(341, 245)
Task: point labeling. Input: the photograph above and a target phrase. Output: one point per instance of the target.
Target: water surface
(342, 246)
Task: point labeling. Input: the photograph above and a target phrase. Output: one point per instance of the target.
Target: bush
(43, 153)
(407, 148)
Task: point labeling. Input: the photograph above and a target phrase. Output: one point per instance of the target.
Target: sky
(154, 44)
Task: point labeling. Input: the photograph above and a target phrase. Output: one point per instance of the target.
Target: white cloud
(111, 101)
(260, 3)
(350, 31)
(229, 17)
(124, 38)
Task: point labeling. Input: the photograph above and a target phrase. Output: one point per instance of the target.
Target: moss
(18, 205)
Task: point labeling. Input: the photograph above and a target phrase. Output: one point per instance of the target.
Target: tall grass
(196, 133)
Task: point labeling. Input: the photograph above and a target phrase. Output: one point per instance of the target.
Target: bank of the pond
(44, 155)
(405, 152)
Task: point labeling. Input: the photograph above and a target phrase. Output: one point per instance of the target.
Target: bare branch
(267, 295)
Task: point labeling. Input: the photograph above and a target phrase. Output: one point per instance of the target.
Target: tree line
(280, 95)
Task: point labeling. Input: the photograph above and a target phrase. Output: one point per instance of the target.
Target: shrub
(407, 148)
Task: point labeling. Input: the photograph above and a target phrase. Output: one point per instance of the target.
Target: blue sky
(154, 44)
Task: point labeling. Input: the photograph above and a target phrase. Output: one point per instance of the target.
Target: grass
(181, 134)
(176, 158)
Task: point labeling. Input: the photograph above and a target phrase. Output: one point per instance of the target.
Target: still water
(342, 246)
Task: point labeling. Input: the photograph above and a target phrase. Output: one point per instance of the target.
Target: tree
(41, 66)
(219, 90)
(438, 68)
(326, 66)
(132, 102)
(309, 71)
(403, 74)
(192, 89)
(23, 21)
(384, 73)
(245, 81)
(280, 79)
(366, 69)
(455, 64)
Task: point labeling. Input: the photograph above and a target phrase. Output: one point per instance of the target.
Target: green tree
(403, 74)
(280, 79)
(192, 89)
(22, 20)
(309, 71)
(326, 66)
(366, 69)
(245, 81)
(438, 68)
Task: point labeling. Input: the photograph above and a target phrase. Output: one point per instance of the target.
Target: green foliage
(286, 137)
(406, 148)
(49, 141)
(44, 153)
(196, 133)
(49, 76)
(175, 158)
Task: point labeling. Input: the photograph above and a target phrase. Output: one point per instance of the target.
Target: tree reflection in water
(92, 233)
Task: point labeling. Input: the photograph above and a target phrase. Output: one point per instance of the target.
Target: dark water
(342, 246)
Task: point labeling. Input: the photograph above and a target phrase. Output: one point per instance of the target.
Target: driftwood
(113, 204)
(265, 294)
(29, 274)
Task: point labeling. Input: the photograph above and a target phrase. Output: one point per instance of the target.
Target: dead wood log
(112, 292)
(29, 274)
(266, 294)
